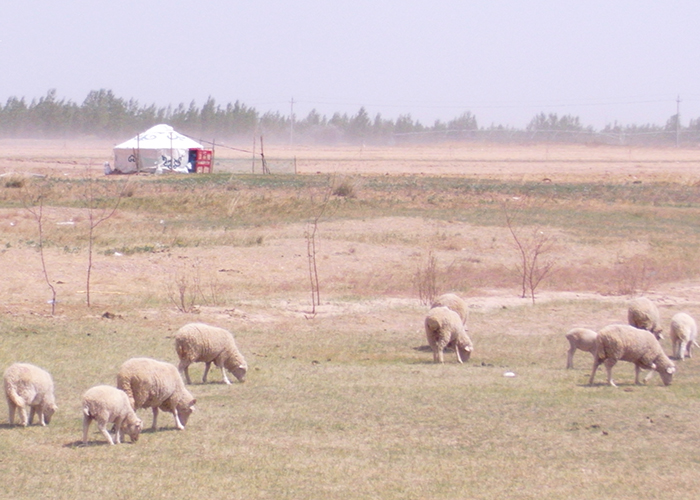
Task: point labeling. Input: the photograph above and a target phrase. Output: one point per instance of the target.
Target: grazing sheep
(455, 303)
(627, 343)
(684, 333)
(580, 338)
(443, 325)
(29, 385)
(643, 314)
(197, 342)
(106, 404)
(158, 385)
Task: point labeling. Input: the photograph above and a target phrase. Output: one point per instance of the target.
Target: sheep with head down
(29, 387)
(642, 313)
(684, 334)
(455, 303)
(106, 404)
(198, 342)
(627, 343)
(444, 326)
(156, 384)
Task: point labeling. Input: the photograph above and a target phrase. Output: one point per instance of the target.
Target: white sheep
(627, 343)
(580, 338)
(106, 404)
(684, 333)
(157, 385)
(197, 342)
(442, 326)
(455, 303)
(29, 386)
(642, 313)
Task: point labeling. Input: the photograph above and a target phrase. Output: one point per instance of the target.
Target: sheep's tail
(179, 349)
(431, 324)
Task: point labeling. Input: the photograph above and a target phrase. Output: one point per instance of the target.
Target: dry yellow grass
(346, 402)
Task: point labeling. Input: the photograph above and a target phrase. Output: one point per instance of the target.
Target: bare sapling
(34, 204)
(101, 202)
(534, 248)
(184, 293)
(426, 280)
(311, 235)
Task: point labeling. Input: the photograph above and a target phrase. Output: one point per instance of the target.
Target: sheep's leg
(155, 418)
(178, 424)
(648, 376)
(207, 365)
(11, 411)
(185, 370)
(32, 411)
(103, 429)
(118, 430)
(637, 369)
(86, 426)
(596, 364)
(609, 363)
(570, 358)
(23, 416)
(223, 372)
(42, 417)
(459, 352)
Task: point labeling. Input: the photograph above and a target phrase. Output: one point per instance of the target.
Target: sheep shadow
(79, 444)
(150, 430)
(20, 426)
(212, 382)
(626, 386)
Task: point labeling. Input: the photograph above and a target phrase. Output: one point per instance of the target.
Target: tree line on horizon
(103, 114)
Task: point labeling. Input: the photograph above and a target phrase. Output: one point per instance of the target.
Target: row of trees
(103, 114)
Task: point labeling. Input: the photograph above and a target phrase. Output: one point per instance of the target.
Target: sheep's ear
(671, 370)
(653, 366)
(241, 366)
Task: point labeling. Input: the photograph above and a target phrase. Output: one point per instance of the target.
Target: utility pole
(678, 120)
(291, 123)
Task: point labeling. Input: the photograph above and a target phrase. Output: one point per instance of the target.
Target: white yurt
(157, 150)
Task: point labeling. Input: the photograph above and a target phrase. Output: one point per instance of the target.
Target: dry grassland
(344, 402)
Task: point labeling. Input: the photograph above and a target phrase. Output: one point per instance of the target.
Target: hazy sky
(505, 61)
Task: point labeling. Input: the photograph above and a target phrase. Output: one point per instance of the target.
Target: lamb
(197, 342)
(627, 343)
(443, 325)
(684, 333)
(642, 313)
(106, 404)
(455, 303)
(29, 385)
(155, 384)
(580, 338)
